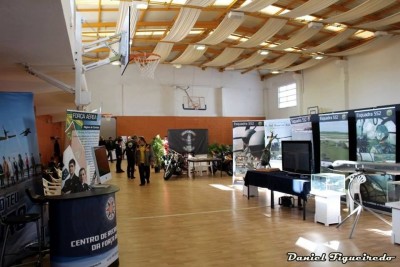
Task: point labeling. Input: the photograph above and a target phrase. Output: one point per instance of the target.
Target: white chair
(51, 188)
(356, 179)
(201, 167)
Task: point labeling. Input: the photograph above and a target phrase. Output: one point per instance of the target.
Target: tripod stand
(356, 179)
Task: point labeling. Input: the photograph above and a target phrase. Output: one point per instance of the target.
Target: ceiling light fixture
(235, 15)
(315, 25)
(275, 72)
(200, 47)
(177, 66)
(263, 52)
(318, 57)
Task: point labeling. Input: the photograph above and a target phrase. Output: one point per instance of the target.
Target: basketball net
(147, 63)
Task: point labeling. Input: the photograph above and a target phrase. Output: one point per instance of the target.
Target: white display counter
(395, 221)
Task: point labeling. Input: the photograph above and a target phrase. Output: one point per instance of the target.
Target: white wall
(228, 93)
(361, 81)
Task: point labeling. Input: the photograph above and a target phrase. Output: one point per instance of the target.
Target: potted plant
(158, 150)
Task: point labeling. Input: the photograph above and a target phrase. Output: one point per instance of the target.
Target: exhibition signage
(83, 133)
(19, 163)
(301, 127)
(248, 145)
(334, 137)
(376, 134)
(84, 232)
(281, 130)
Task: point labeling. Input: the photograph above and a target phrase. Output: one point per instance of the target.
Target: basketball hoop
(147, 63)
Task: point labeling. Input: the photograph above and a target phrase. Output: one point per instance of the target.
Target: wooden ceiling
(155, 22)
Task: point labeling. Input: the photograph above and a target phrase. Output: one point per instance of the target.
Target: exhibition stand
(281, 182)
(395, 221)
(83, 228)
(327, 207)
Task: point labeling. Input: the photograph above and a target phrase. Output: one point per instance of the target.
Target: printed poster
(280, 130)
(248, 146)
(82, 133)
(334, 138)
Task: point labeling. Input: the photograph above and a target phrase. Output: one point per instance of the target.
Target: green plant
(158, 150)
(217, 148)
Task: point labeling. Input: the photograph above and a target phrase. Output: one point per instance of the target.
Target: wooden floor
(206, 222)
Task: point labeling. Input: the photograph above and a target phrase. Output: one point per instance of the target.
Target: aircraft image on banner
(6, 136)
(26, 132)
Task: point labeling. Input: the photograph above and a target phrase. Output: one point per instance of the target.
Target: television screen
(297, 156)
(103, 172)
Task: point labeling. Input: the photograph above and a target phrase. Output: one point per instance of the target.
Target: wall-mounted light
(177, 66)
(263, 52)
(275, 72)
(200, 47)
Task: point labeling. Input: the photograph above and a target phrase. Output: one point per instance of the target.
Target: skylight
(364, 34)
(223, 2)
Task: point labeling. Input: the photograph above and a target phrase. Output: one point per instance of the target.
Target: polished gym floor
(205, 221)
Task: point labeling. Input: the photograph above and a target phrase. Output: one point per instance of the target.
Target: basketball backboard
(124, 45)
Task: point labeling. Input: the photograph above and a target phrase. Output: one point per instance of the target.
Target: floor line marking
(194, 213)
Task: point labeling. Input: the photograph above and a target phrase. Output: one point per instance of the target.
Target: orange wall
(45, 129)
(219, 128)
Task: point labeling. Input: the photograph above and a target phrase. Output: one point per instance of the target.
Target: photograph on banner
(279, 130)
(301, 127)
(83, 133)
(376, 135)
(334, 138)
(376, 142)
(20, 166)
(248, 146)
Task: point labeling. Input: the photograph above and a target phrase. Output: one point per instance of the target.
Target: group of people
(138, 153)
(14, 170)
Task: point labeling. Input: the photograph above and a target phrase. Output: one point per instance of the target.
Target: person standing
(16, 172)
(21, 166)
(144, 158)
(130, 156)
(57, 150)
(102, 142)
(118, 154)
(6, 172)
(110, 148)
(27, 163)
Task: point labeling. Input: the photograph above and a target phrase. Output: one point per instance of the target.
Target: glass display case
(393, 191)
(328, 183)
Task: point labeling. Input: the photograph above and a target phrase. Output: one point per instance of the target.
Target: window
(287, 96)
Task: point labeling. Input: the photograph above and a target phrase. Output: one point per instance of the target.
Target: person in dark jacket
(130, 151)
(118, 154)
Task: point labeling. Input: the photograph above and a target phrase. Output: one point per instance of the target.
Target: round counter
(83, 228)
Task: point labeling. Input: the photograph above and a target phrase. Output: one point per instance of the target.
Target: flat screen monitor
(297, 156)
(103, 172)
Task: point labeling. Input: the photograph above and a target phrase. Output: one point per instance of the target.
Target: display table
(281, 182)
(327, 207)
(194, 160)
(395, 221)
(83, 228)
